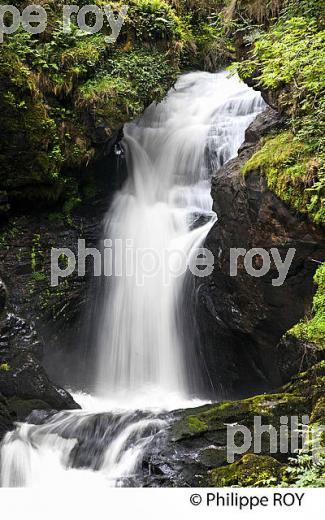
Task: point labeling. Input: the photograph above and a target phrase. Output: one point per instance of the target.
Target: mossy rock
(318, 415)
(250, 471)
(310, 384)
(216, 417)
(291, 172)
(313, 330)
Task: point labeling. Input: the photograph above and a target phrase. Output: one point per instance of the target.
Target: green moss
(26, 124)
(313, 330)
(132, 80)
(291, 173)
(318, 415)
(196, 425)
(250, 471)
(310, 383)
(213, 419)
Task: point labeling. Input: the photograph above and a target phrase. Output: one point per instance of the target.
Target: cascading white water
(170, 151)
(165, 206)
(79, 449)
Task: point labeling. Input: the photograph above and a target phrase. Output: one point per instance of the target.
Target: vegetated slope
(64, 96)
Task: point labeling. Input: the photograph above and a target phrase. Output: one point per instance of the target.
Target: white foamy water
(171, 150)
(144, 350)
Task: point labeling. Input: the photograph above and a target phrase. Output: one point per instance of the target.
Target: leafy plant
(303, 472)
(313, 330)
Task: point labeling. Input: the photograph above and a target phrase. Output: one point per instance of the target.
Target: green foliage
(308, 8)
(206, 41)
(303, 472)
(56, 88)
(313, 330)
(128, 86)
(153, 20)
(292, 173)
(24, 116)
(290, 55)
(287, 61)
(213, 49)
(5, 367)
(150, 72)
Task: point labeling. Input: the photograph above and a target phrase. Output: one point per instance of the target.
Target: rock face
(243, 318)
(24, 384)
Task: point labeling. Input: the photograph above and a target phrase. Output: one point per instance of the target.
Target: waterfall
(147, 356)
(165, 206)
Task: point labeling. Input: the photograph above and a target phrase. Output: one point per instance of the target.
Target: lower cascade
(148, 361)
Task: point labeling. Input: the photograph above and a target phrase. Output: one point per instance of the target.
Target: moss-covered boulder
(291, 171)
(211, 423)
(197, 449)
(250, 471)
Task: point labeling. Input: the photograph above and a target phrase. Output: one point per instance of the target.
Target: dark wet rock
(4, 203)
(269, 120)
(22, 375)
(3, 297)
(242, 319)
(22, 409)
(296, 355)
(43, 345)
(6, 418)
(17, 335)
(59, 315)
(16, 409)
(24, 384)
